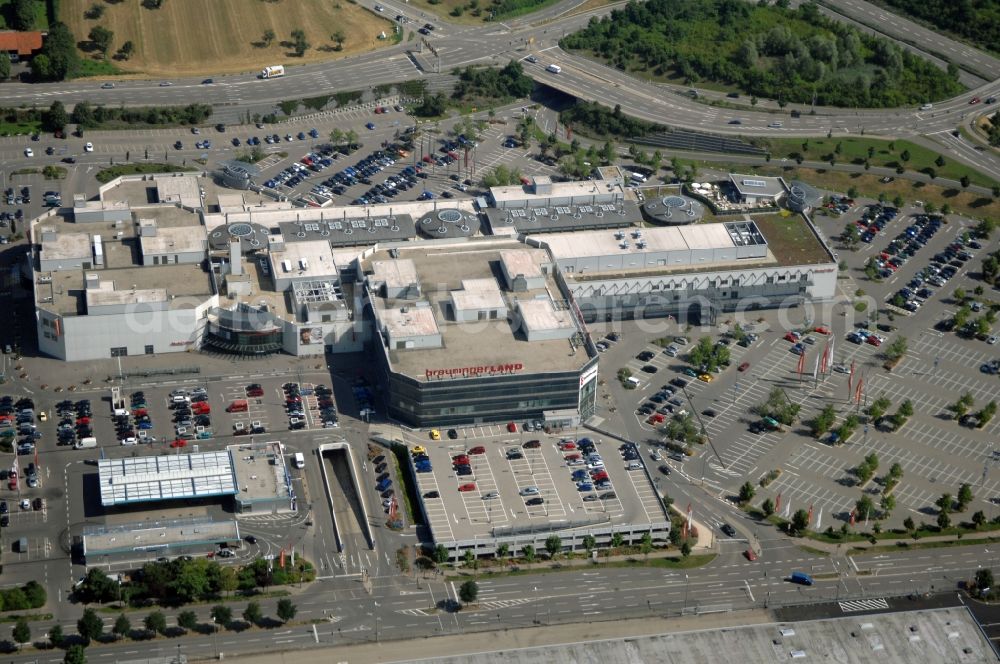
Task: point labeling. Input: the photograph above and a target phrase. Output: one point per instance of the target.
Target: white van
(299, 460)
(85, 443)
(638, 177)
(633, 381)
(555, 69)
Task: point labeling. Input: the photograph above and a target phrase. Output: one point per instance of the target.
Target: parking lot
(404, 167)
(937, 454)
(477, 485)
(197, 413)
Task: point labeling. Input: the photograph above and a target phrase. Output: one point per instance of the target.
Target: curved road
(463, 45)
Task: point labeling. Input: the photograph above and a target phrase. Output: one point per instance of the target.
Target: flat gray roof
(157, 535)
(937, 636)
(757, 185)
(564, 218)
(576, 189)
(167, 477)
(442, 269)
(350, 231)
(64, 292)
(175, 240)
(261, 473)
(647, 240)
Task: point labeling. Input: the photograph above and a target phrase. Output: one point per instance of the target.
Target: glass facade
(244, 342)
(487, 399)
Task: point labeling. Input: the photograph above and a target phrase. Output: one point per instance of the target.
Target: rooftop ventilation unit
(624, 244)
(619, 235)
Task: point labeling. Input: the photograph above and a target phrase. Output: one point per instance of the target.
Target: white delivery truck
(299, 460)
(84, 443)
(272, 72)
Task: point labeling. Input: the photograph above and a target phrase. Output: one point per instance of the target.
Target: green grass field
(962, 202)
(884, 153)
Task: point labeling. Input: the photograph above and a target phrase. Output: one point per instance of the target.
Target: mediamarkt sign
(475, 372)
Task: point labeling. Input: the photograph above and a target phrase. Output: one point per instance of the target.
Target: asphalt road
(401, 607)
(462, 45)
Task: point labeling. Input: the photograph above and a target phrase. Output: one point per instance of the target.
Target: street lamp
(215, 633)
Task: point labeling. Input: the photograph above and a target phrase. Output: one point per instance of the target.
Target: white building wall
(92, 337)
(824, 278)
(174, 258)
(304, 339)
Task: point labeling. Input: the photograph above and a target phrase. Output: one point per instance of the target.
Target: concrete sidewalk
(504, 640)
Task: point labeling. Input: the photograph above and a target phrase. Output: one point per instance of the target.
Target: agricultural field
(194, 37)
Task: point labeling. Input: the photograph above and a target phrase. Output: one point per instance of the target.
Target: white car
(529, 491)
(88, 147)
(25, 504)
(129, 441)
(992, 339)
(28, 152)
(926, 107)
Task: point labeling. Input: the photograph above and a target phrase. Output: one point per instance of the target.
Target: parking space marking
(482, 471)
(798, 493)
(822, 464)
(932, 346)
(933, 470)
(532, 470)
(947, 441)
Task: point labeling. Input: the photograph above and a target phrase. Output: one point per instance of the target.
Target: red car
(86, 420)
(567, 445)
(571, 457)
(478, 450)
(821, 329)
(460, 460)
(743, 367)
(255, 391)
(792, 337)
(751, 556)
(656, 419)
(468, 486)
(873, 340)
(180, 442)
(201, 409)
(974, 100)
(599, 476)
(12, 480)
(511, 427)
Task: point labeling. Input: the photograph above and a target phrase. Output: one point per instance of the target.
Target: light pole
(687, 586)
(215, 633)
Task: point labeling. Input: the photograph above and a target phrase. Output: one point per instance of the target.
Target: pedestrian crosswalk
(877, 604)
